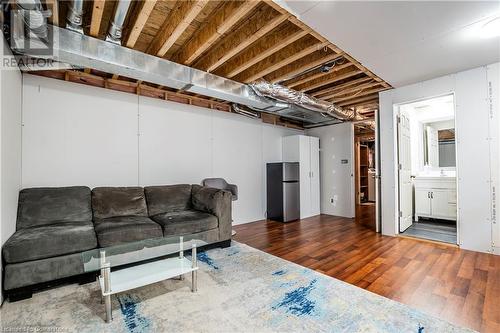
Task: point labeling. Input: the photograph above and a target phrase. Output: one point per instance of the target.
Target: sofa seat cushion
(124, 229)
(186, 222)
(49, 241)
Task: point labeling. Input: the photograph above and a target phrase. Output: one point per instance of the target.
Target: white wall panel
(77, 135)
(473, 158)
(175, 143)
(493, 101)
(336, 144)
(238, 157)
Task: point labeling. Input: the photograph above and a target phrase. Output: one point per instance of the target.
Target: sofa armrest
(234, 191)
(216, 202)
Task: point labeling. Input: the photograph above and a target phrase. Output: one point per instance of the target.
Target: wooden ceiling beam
(95, 23)
(342, 86)
(269, 68)
(308, 65)
(269, 45)
(332, 79)
(317, 75)
(53, 5)
(358, 94)
(140, 21)
(181, 16)
(358, 101)
(249, 32)
(342, 92)
(221, 22)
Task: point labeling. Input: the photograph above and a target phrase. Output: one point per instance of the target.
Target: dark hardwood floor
(460, 286)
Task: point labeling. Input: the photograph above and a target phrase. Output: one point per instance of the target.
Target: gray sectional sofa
(55, 225)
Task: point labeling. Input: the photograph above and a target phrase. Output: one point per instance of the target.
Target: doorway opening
(427, 169)
(365, 174)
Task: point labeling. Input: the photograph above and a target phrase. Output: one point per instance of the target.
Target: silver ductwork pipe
(287, 95)
(245, 111)
(116, 24)
(74, 18)
(34, 18)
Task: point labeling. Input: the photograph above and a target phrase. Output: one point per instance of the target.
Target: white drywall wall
(10, 146)
(76, 134)
(475, 116)
(336, 144)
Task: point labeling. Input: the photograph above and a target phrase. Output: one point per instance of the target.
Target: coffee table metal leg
(194, 274)
(107, 304)
(106, 271)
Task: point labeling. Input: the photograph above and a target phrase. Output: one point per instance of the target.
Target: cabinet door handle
(428, 195)
(432, 195)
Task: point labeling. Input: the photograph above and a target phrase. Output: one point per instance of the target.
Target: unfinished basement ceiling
(241, 40)
(406, 41)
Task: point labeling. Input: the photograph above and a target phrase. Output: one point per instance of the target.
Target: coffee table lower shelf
(145, 274)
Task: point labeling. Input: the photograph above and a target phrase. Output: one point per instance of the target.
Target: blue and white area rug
(240, 289)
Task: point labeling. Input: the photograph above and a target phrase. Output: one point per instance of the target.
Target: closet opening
(365, 175)
(426, 166)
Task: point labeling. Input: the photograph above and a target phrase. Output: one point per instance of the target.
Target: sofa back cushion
(49, 205)
(168, 198)
(118, 201)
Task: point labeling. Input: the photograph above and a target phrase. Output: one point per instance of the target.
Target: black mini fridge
(283, 191)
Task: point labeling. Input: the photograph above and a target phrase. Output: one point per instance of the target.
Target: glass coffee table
(128, 266)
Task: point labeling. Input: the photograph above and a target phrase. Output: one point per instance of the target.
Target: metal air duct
(34, 18)
(74, 17)
(116, 24)
(287, 95)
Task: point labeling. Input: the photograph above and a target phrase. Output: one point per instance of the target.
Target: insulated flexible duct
(287, 95)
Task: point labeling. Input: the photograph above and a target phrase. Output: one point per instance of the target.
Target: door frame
(395, 114)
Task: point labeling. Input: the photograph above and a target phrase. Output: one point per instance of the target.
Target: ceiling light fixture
(490, 29)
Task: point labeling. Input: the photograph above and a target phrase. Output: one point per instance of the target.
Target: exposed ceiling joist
(329, 80)
(268, 46)
(253, 29)
(360, 100)
(342, 86)
(175, 24)
(223, 20)
(308, 65)
(317, 75)
(286, 58)
(97, 11)
(53, 5)
(346, 91)
(140, 21)
(358, 94)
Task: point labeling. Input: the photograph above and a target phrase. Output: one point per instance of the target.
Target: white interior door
(315, 184)
(405, 183)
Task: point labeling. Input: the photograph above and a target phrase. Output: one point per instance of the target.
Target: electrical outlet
(331, 200)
